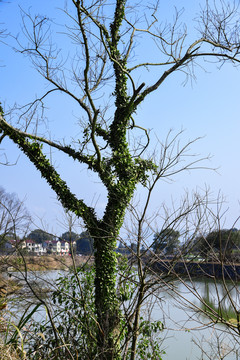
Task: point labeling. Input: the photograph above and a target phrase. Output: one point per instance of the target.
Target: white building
(34, 247)
(57, 246)
(51, 246)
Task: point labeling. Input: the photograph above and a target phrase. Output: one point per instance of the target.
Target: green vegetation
(85, 244)
(166, 241)
(218, 245)
(39, 236)
(75, 324)
(69, 236)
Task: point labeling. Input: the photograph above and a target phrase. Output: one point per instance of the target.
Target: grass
(7, 352)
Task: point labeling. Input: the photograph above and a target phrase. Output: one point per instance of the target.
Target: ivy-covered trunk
(106, 303)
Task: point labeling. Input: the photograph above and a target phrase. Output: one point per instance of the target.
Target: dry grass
(7, 352)
(46, 262)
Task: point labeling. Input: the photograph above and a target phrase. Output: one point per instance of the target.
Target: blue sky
(207, 108)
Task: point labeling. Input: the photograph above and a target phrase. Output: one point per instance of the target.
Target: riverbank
(41, 263)
(12, 263)
(198, 269)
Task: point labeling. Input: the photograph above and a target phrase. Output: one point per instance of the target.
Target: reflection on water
(37, 285)
(221, 302)
(190, 335)
(187, 334)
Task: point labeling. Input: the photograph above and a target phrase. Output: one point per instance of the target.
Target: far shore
(10, 263)
(41, 263)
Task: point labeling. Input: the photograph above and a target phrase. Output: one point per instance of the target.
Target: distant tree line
(217, 245)
(223, 245)
(166, 241)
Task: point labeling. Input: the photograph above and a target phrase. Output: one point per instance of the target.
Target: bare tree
(214, 304)
(14, 224)
(102, 38)
(14, 218)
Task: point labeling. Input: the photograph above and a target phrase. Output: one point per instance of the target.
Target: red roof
(29, 241)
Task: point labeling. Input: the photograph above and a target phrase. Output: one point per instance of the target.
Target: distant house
(50, 246)
(34, 247)
(57, 247)
(7, 247)
(10, 245)
(65, 248)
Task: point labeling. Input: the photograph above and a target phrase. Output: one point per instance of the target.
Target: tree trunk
(107, 305)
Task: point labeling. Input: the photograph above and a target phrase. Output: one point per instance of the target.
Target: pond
(186, 334)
